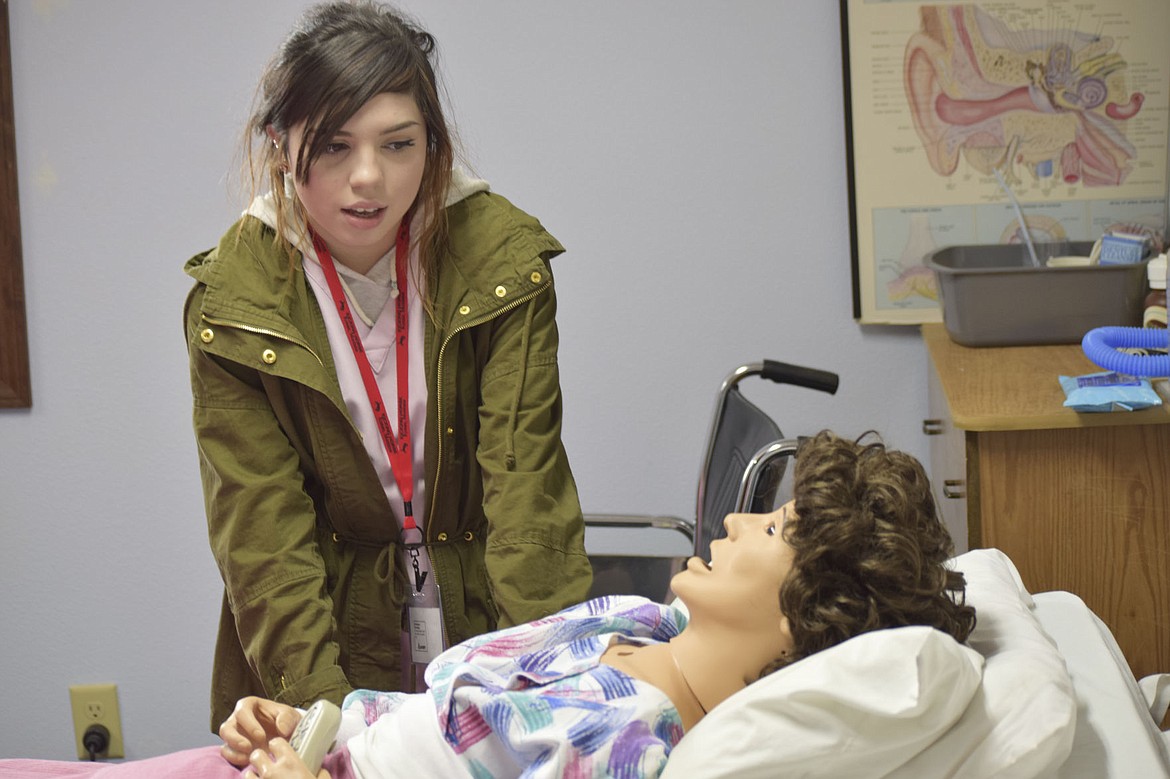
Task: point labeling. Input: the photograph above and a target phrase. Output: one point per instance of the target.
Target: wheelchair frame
(741, 470)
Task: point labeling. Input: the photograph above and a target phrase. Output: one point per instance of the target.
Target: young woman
(377, 407)
(609, 687)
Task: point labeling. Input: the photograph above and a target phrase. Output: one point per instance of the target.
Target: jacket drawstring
(386, 572)
(510, 435)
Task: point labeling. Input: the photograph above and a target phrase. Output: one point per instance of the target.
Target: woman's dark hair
(339, 56)
(869, 549)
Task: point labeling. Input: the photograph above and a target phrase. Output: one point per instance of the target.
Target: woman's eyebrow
(397, 128)
(394, 128)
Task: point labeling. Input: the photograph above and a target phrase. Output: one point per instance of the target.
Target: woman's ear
(281, 150)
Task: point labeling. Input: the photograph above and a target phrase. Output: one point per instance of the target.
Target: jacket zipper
(262, 331)
(439, 383)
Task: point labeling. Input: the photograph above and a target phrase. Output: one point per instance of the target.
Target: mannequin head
(860, 547)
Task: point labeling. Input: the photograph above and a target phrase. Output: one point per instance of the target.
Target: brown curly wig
(869, 548)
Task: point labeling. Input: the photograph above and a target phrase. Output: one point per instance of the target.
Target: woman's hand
(283, 763)
(253, 726)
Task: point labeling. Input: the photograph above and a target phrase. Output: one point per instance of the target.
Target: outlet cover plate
(96, 704)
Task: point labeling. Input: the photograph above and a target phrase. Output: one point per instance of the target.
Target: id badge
(426, 633)
(424, 612)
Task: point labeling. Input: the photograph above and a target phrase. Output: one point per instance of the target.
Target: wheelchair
(742, 469)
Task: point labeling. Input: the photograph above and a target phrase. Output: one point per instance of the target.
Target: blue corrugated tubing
(1101, 345)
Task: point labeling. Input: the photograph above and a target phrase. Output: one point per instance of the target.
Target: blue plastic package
(1108, 391)
(1122, 249)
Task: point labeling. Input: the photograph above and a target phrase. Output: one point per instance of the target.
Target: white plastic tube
(1020, 216)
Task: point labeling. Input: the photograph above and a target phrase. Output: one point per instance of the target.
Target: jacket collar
(496, 255)
(492, 246)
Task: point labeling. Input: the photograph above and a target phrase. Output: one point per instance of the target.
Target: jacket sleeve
(535, 558)
(262, 529)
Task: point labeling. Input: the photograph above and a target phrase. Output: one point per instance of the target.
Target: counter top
(1017, 387)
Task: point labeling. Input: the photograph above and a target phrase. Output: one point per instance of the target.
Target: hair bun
(424, 41)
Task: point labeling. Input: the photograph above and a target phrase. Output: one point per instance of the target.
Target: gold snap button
(268, 356)
(501, 291)
(536, 277)
(468, 536)
(442, 536)
(450, 431)
(207, 336)
(465, 310)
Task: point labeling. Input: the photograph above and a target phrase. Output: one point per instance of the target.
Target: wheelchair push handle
(810, 378)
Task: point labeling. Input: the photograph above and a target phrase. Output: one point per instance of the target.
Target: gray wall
(690, 155)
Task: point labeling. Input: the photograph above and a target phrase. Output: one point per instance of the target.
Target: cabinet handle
(954, 488)
(933, 427)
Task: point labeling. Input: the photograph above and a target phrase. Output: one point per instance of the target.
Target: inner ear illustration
(1051, 103)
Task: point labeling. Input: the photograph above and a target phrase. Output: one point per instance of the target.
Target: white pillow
(861, 708)
(1022, 719)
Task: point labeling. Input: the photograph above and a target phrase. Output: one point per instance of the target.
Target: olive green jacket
(299, 524)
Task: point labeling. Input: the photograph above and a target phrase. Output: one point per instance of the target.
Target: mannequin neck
(696, 675)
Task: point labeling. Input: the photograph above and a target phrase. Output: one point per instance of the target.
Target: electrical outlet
(96, 704)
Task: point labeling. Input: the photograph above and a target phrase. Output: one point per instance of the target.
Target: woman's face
(366, 179)
(741, 584)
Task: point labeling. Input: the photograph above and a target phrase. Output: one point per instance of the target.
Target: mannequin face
(740, 587)
(366, 180)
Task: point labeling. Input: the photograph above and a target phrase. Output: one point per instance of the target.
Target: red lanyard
(397, 449)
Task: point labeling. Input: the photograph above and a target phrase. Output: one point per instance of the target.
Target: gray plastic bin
(992, 295)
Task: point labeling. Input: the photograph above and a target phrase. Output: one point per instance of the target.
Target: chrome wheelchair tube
(641, 521)
(758, 465)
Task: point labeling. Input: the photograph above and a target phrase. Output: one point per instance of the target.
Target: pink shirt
(379, 345)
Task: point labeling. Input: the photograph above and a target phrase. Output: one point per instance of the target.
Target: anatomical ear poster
(997, 122)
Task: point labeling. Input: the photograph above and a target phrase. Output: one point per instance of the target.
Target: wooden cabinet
(1080, 502)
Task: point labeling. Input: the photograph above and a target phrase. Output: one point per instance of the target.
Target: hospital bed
(1041, 689)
